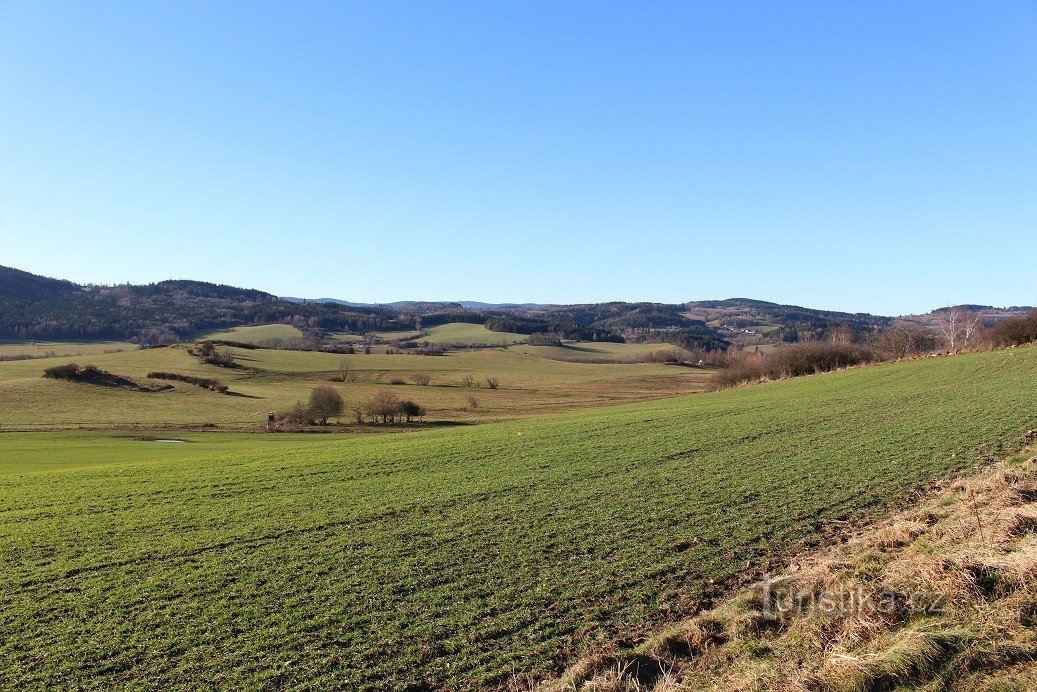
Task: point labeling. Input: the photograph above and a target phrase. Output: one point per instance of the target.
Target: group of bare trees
(325, 403)
(958, 326)
(386, 407)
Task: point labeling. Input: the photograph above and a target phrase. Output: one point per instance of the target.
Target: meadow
(449, 334)
(257, 334)
(274, 380)
(39, 349)
(455, 557)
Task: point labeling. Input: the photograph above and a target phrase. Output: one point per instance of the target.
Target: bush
(808, 358)
(421, 379)
(544, 339)
(296, 417)
(792, 360)
(325, 403)
(209, 354)
(69, 372)
(204, 382)
(1015, 332)
(671, 356)
(409, 409)
(384, 405)
(492, 382)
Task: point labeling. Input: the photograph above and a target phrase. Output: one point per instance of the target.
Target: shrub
(421, 379)
(409, 409)
(544, 339)
(210, 354)
(1015, 332)
(671, 356)
(70, 372)
(296, 417)
(384, 405)
(808, 358)
(492, 382)
(468, 381)
(902, 340)
(325, 403)
(473, 403)
(792, 360)
(204, 382)
(397, 380)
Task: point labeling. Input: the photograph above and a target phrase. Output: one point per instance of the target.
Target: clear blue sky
(868, 156)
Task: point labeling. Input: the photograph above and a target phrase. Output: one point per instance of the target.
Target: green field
(258, 334)
(454, 557)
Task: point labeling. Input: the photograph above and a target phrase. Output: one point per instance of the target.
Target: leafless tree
(473, 403)
(384, 405)
(958, 326)
(421, 378)
(325, 403)
(841, 334)
(902, 339)
(492, 382)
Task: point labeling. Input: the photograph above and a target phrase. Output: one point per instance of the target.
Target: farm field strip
(455, 557)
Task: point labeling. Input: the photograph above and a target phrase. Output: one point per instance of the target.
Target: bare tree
(841, 334)
(902, 339)
(384, 405)
(421, 378)
(473, 403)
(492, 382)
(325, 403)
(958, 326)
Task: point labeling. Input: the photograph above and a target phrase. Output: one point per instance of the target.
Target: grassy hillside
(258, 334)
(470, 334)
(62, 348)
(591, 351)
(454, 557)
(940, 596)
(273, 380)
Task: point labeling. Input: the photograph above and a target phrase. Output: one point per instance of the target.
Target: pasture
(257, 334)
(39, 349)
(454, 557)
(273, 380)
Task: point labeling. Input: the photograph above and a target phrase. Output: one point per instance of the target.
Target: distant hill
(470, 304)
(38, 307)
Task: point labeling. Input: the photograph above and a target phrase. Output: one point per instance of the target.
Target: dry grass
(942, 596)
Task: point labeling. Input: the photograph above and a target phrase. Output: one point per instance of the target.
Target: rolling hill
(456, 558)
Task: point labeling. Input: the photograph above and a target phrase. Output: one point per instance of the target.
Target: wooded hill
(37, 307)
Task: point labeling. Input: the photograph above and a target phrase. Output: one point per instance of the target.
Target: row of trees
(325, 403)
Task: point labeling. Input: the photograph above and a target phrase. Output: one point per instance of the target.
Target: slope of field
(273, 380)
(62, 348)
(470, 334)
(455, 557)
(258, 334)
(591, 351)
(939, 596)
